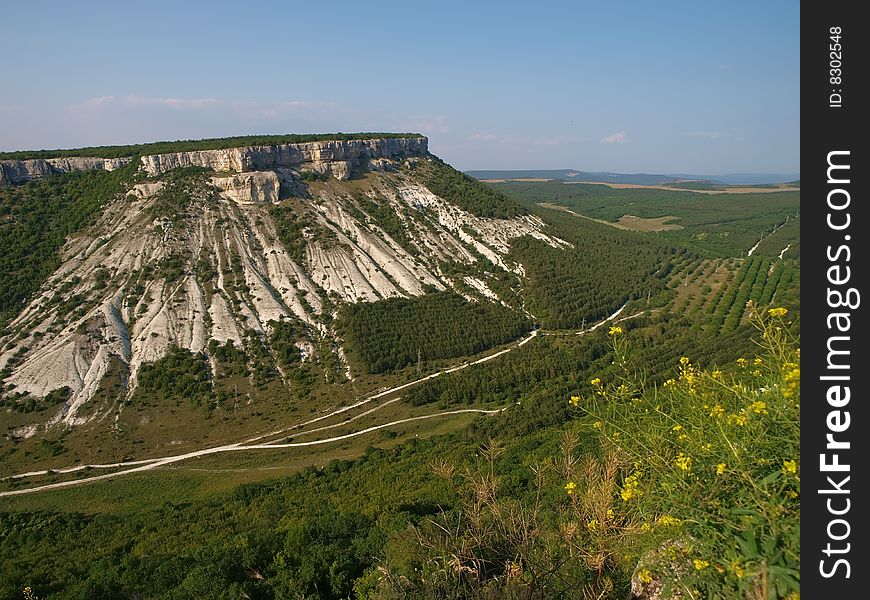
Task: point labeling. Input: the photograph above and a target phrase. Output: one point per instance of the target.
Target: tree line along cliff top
(208, 144)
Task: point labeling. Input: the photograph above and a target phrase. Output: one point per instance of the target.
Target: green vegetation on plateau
(210, 144)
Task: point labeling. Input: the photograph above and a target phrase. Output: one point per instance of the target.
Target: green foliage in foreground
(35, 221)
(468, 193)
(209, 144)
(371, 528)
(712, 493)
(390, 334)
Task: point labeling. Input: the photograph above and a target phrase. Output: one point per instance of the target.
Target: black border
(825, 129)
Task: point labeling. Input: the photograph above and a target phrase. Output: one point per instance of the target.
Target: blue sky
(690, 87)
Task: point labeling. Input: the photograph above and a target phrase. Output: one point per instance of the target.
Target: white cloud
(616, 138)
(249, 108)
(483, 137)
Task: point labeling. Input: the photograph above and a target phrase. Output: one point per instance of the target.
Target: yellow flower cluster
(592, 525)
(570, 487)
(668, 521)
(574, 401)
(789, 467)
(777, 312)
(700, 565)
(720, 468)
(758, 407)
(644, 576)
(596, 382)
(738, 419)
(684, 462)
(717, 411)
(792, 379)
(614, 330)
(630, 488)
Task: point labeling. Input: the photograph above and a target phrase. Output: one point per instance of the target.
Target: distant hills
(638, 178)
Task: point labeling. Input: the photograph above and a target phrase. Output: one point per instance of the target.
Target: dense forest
(390, 334)
(604, 269)
(209, 144)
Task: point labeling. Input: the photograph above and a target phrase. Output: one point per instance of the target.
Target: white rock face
(258, 187)
(330, 154)
(21, 171)
(234, 277)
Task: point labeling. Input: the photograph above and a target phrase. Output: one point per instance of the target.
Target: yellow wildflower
(630, 488)
(684, 462)
(716, 374)
(738, 419)
(789, 467)
(791, 494)
(717, 411)
(720, 468)
(596, 382)
(667, 521)
(684, 360)
(670, 382)
(597, 425)
(614, 330)
(777, 312)
(741, 361)
(570, 487)
(610, 514)
(644, 576)
(758, 407)
(700, 565)
(757, 360)
(677, 427)
(592, 525)
(738, 570)
(575, 400)
(644, 527)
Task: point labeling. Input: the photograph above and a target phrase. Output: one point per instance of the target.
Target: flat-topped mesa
(13, 172)
(338, 158)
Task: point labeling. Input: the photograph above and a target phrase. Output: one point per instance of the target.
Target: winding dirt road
(153, 463)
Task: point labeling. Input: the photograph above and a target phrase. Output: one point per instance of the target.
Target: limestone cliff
(337, 158)
(13, 172)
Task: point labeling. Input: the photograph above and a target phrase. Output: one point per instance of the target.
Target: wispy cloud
(483, 137)
(617, 138)
(255, 108)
